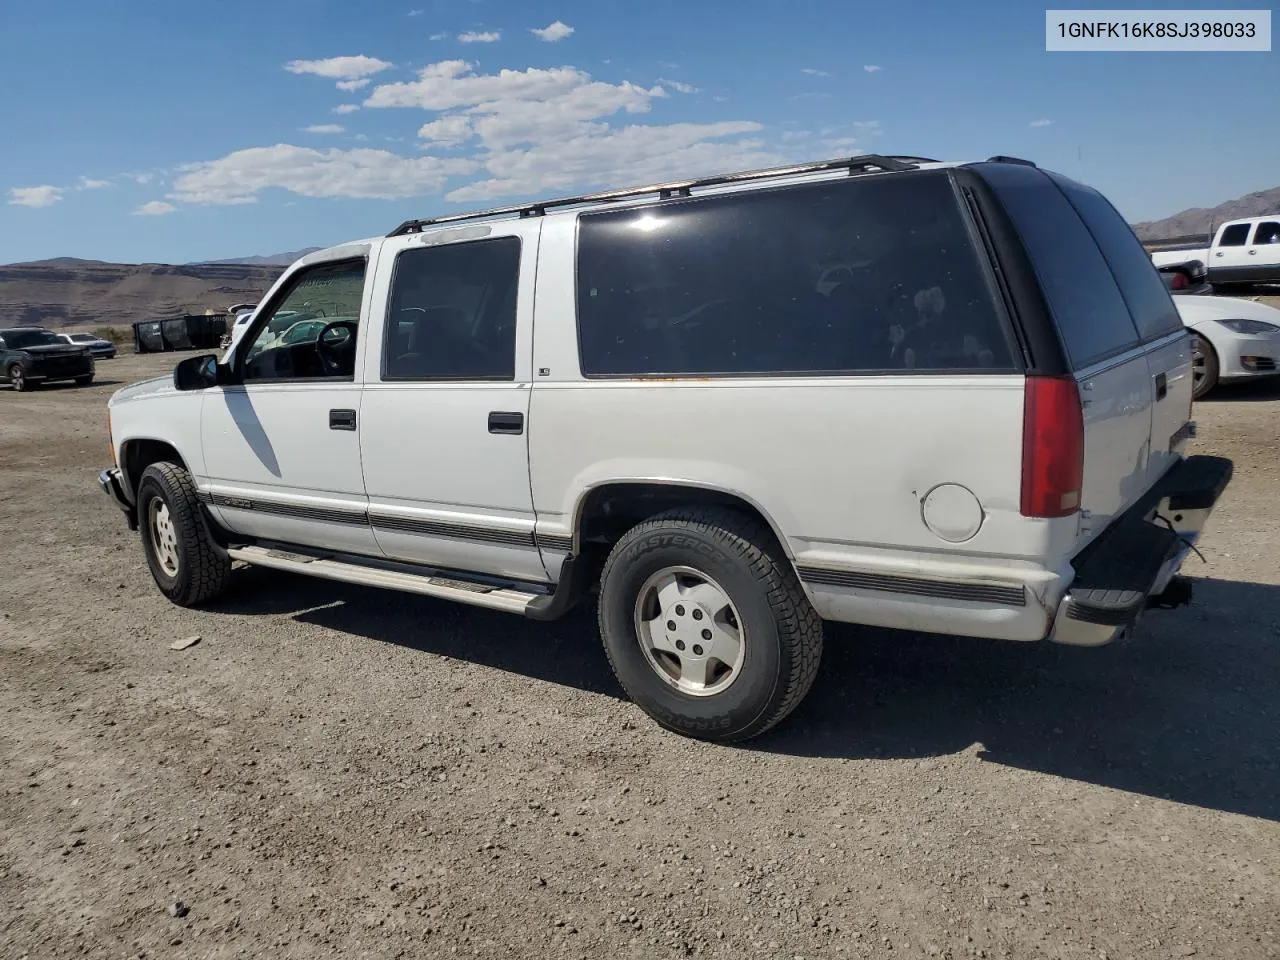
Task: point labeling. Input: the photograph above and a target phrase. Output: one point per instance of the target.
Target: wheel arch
(605, 510)
(137, 454)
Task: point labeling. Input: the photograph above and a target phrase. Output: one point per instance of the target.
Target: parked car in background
(1241, 252)
(98, 348)
(30, 356)
(669, 397)
(1235, 339)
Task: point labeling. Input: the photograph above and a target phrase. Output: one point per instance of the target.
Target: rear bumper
(112, 483)
(1138, 556)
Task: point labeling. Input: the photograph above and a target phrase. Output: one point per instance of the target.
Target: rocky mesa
(74, 293)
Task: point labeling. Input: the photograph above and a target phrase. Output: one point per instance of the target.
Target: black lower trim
(1007, 596)
(550, 541)
(298, 511)
(1262, 273)
(113, 485)
(455, 531)
(379, 521)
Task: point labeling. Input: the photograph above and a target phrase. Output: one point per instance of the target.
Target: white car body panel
(1204, 315)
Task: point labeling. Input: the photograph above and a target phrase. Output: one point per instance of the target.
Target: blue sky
(175, 132)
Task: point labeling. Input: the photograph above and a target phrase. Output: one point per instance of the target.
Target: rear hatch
(1118, 333)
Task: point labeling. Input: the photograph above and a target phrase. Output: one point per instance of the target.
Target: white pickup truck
(1241, 252)
(668, 399)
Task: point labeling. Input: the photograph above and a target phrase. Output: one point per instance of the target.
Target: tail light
(1180, 281)
(1052, 447)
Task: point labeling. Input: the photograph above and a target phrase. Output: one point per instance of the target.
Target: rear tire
(189, 567)
(1204, 368)
(706, 626)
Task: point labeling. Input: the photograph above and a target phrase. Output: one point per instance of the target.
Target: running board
(443, 588)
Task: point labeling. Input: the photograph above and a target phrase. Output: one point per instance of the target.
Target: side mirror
(199, 373)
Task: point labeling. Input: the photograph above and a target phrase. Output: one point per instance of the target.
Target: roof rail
(1003, 159)
(865, 163)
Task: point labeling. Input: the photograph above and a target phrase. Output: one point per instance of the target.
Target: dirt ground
(338, 772)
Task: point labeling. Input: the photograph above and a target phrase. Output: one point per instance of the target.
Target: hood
(144, 388)
(52, 349)
(1196, 309)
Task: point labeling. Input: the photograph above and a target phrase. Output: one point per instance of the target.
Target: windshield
(20, 339)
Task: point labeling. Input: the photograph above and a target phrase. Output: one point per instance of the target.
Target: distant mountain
(271, 260)
(68, 292)
(1202, 220)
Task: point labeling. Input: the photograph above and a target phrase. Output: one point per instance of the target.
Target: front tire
(85, 380)
(188, 566)
(706, 626)
(18, 377)
(1204, 368)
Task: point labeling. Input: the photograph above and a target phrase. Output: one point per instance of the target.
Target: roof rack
(865, 163)
(1000, 158)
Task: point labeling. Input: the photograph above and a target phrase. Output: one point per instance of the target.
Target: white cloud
(362, 173)
(553, 32)
(141, 177)
(154, 208)
(439, 36)
(522, 131)
(679, 86)
(872, 68)
(1042, 123)
(789, 136)
(87, 183)
(44, 196)
(450, 84)
(415, 13)
(812, 72)
(339, 68)
(352, 84)
(842, 145)
(605, 157)
(324, 128)
(471, 36)
(344, 108)
(447, 131)
(869, 126)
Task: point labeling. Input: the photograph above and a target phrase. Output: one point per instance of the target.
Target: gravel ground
(337, 772)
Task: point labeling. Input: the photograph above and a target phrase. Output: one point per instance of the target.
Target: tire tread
(207, 564)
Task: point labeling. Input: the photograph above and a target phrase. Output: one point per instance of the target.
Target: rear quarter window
(1084, 299)
(1148, 301)
(857, 275)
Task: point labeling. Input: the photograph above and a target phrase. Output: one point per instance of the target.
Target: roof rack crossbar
(676, 188)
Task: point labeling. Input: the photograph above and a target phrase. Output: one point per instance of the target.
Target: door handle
(342, 419)
(1162, 386)
(1218, 254)
(1253, 253)
(506, 422)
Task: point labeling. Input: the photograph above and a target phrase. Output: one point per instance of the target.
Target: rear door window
(1268, 232)
(1083, 297)
(862, 274)
(1149, 302)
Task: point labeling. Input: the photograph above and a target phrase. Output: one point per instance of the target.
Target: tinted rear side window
(1149, 302)
(1087, 307)
(1236, 235)
(842, 276)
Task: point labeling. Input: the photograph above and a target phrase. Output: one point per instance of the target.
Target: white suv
(976, 429)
